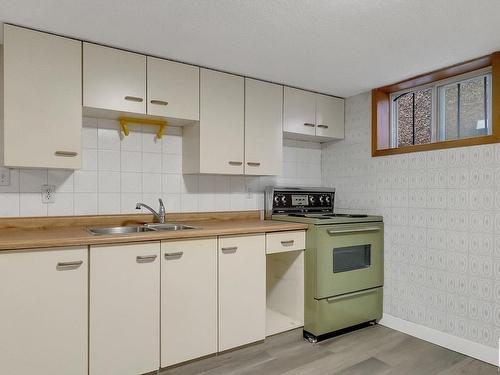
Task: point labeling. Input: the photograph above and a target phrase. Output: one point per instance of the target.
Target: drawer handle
(159, 102)
(230, 249)
(253, 164)
(145, 258)
(174, 255)
(68, 154)
(309, 124)
(67, 265)
(347, 295)
(331, 232)
(287, 243)
(323, 126)
(134, 99)
(232, 162)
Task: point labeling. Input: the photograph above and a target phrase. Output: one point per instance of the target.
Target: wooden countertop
(21, 236)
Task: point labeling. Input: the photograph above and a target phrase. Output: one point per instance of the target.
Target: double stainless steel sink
(140, 229)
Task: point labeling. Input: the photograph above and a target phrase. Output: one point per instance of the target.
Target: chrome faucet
(161, 215)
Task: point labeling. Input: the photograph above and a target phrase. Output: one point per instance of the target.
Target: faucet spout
(160, 215)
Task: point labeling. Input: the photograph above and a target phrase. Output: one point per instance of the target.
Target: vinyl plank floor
(374, 350)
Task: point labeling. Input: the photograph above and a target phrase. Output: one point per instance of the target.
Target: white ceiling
(341, 47)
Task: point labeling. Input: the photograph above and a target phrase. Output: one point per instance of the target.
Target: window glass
(446, 110)
(414, 117)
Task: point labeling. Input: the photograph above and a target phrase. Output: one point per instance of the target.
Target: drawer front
(285, 241)
(332, 314)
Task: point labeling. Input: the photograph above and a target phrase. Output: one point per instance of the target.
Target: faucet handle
(161, 203)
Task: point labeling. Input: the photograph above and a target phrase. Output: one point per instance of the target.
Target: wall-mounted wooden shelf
(124, 121)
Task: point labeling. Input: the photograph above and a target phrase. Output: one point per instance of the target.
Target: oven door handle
(331, 232)
(347, 295)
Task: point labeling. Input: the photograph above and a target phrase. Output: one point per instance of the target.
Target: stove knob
(327, 199)
(283, 199)
(312, 199)
(321, 199)
(277, 199)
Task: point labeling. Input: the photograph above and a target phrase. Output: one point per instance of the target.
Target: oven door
(349, 258)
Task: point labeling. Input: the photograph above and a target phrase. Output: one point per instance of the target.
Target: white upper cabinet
(312, 117)
(329, 116)
(263, 127)
(216, 145)
(42, 100)
(43, 310)
(300, 112)
(173, 89)
(113, 79)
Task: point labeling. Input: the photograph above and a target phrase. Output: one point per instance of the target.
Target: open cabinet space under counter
(285, 281)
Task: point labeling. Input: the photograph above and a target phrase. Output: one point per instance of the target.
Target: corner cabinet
(42, 99)
(312, 117)
(242, 290)
(124, 309)
(43, 310)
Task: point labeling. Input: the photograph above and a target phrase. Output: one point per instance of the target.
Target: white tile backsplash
(442, 225)
(118, 171)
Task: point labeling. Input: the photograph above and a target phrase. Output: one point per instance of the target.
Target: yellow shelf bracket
(124, 121)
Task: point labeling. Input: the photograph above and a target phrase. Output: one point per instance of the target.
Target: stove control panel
(299, 200)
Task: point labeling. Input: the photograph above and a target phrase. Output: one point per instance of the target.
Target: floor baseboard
(458, 344)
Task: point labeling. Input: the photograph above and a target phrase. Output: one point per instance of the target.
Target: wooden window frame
(381, 108)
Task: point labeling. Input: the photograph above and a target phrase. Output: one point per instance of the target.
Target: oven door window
(351, 258)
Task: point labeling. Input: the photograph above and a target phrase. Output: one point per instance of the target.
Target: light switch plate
(48, 193)
(4, 177)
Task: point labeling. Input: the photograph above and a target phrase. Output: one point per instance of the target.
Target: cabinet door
(113, 79)
(263, 128)
(188, 300)
(329, 116)
(124, 308)
(42, 100)
(43, 312)
(242, 290)
(173, 89)
(300, 112)
(221, 122)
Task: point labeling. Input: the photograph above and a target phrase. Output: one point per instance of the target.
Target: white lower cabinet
(43, 311)
(124, 308)
(188, 300)
(242, 290)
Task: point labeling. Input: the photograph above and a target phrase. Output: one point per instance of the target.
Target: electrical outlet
(4, 177)
(48, 193)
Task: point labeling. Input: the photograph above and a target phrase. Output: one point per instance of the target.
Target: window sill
(487, 139)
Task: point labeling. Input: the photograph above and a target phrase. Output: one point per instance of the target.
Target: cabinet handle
(323, 126)
(134, 99)
(253, 164)
(235, 162)
(66, 265)
(309, 124)
(287, 243)
(172, 255)
(68, 154)
(145, 258)
(159, 102)
(230, 249)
